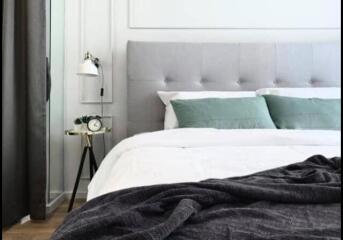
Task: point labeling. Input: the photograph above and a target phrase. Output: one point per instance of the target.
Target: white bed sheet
(185, 155)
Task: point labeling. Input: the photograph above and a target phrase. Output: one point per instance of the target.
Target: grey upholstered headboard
(154, 66)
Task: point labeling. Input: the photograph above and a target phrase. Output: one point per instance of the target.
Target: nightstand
(93, 167)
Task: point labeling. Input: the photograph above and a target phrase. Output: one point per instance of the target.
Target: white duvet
(184, 155)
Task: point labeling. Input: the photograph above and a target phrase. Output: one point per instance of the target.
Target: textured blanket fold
(299, 201)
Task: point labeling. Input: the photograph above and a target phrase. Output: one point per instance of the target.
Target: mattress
(190, 155)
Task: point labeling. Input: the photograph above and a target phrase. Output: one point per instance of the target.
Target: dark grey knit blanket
(299, 201)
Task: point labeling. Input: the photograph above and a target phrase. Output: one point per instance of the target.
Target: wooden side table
(93, 167)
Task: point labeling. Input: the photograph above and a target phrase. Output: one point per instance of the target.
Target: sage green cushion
(304, 113)
(223, 113)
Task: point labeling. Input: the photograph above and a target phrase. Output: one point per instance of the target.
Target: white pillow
(328, 92)
(170, 120)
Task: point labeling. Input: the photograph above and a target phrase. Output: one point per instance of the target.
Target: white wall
(277, 14)
(103, 27)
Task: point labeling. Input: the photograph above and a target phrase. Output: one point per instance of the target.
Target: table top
(87, 132)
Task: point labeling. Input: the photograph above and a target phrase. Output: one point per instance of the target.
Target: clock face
(94, 125)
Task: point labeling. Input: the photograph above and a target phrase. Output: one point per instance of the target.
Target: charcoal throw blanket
(299, 201)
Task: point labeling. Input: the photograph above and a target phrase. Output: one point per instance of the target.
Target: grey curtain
(23, 110)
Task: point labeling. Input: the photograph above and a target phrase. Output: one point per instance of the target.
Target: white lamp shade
(88, 69)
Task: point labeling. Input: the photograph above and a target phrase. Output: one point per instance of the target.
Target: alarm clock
(94, 123)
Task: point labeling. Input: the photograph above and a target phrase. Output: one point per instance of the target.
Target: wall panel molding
(235, 14)
(96, 19)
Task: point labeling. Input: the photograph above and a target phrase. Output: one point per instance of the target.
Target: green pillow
(304, 113)
(223, 113)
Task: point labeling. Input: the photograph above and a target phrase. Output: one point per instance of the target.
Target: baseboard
(50, 207)
(79, 195)
(54, 194)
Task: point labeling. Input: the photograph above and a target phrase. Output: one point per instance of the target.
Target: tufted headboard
(154, 66)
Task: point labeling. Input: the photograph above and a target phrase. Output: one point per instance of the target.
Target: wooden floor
(39, 230)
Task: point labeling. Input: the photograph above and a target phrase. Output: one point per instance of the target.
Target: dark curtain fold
(23, 110)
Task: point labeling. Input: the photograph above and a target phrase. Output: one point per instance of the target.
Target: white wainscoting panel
(251, 14)
(96, 37)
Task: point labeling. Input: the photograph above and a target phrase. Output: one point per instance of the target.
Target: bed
(207, 183)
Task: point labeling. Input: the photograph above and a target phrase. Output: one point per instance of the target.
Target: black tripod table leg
(71, 203)
(91, 172)
(91, 153)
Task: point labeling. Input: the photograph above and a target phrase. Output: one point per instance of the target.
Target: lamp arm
(95, 60)
(101, 87)
(102, 102)
(98, 65)
(101, 78)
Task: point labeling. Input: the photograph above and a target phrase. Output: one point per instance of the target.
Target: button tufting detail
(167, 79)
(313, 81)
(276, 81)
